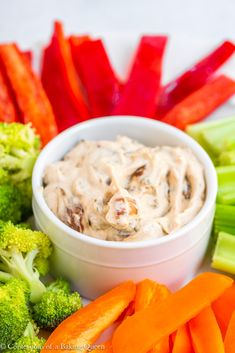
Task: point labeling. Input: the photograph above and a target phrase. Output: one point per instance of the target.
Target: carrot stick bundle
(140, 332)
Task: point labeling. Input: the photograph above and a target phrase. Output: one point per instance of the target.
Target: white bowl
(93, 265)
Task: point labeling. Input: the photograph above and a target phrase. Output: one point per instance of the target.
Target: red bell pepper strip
(75, 41)
(98, 79)
(29, 55)
(201, 103)
(60, 81)
(140, 92)
(193, 79)
(31, 99)
(8, 111)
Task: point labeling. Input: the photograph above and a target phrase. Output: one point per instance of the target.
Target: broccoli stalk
(24, 254)
(29, 342)
(22, 267)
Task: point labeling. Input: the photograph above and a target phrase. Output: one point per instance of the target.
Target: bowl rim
(98, 122)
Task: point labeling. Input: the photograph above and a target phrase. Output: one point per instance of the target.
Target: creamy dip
(123, 190)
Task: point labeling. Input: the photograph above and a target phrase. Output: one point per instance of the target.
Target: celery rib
(224, 255)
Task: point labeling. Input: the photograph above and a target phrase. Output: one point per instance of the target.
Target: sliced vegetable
(8, 111)
(214, 136)
(182, 342)
(140, 92)
(30, 96)
(61, 83)
(140, 332)
(201, 103)
(193, 79)
(84, 327)
(227, 158)
(149, 292)
(226, 180)
(223, 258)
(205, 333)
(28, 55)
(99, 80)
(229, 342)
(75, 41)
(223, 309)
(224, 219)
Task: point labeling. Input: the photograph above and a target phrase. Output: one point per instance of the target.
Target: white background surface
(23, 19)
(194, 26)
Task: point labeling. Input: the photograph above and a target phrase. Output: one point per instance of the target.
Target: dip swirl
(122, 190)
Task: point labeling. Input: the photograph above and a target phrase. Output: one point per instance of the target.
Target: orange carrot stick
(205, 333)
(229, 342)
(140, 332)
(82, 329)
(223, 308)
(149, 292)
(31, 99)
(182, 343)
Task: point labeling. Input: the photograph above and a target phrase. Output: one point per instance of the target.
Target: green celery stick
(224, 255)
(226, 174)
(227, 157)
(218, 229)
(214, 136)
(226, 197)
(224, 219)
(195, 130)
(225, 212)
(226, 181)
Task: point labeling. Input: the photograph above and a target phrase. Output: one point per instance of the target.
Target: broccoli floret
(14, 312)
(10, 203)
(25, 191)
(29, 342)
(24, 254)
(56, 304)
(19, 148)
